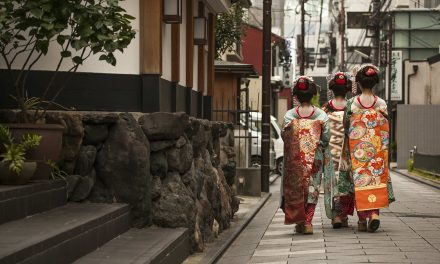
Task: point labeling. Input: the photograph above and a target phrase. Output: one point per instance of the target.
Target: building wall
(417, 125)
(283, 106)
(127, 62)
(424, 85)
(224, 96)
(255, 93)
(435, 83)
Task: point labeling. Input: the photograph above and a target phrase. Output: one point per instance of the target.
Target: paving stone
(405, 235)
(272, 252)
(277, 241)
(258, 259)
(234, 260)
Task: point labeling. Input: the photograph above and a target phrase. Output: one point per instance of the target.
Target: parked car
(277, 144)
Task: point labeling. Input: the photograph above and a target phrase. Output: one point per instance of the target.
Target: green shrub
(410, 164)
(14, 152)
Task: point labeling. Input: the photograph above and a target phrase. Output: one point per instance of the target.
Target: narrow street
(409, 233)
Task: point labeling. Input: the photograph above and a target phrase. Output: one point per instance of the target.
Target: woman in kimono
(343, 193)
(306, 137)
(368, 137)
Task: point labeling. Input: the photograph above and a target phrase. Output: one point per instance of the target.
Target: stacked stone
(174, 171)
(189, 188)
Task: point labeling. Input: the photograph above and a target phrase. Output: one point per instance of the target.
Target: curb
(274, 179)
(418, 179)
(237, 230)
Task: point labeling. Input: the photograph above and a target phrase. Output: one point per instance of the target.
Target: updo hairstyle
(368, 76)
(304, 89)
(340, 84)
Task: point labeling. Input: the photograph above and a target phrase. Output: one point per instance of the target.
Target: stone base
(248, 181)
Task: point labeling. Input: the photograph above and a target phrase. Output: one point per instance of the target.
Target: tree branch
(23, 50)
(72, 70)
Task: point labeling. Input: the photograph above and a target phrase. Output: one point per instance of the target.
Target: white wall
(166, 51)
(127, 62)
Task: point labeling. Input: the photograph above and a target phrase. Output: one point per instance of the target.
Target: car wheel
(256, 161)
(280, 166)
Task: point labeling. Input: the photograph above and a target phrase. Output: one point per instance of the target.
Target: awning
(219, 6)
(247, 70)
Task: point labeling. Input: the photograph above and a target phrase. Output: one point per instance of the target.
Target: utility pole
(390, 69)
(342, 31)
(303, 33)
(267, 57)
(375, 20)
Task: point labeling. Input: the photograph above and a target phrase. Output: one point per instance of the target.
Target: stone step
(24, 200)
(62, 235)
(141, 246)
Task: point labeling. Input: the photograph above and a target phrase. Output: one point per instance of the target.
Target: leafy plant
(77, 28)
(230, 28)
(315, 100)
(410, 165)
(14, 152)
(56, 172)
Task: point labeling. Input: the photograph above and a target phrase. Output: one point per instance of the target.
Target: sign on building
(383, 53)
(396, 76)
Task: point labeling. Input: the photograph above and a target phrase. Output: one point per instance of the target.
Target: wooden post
(189, 42)
(151, 36)
(175, 53)
(211, 53)
(201, 57)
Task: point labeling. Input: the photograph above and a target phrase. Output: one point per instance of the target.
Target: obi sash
(301, 139)
(337, 139)
(368, 141)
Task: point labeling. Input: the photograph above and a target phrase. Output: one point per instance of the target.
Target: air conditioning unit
(402, 4)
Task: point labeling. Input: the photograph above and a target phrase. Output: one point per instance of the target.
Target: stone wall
(174, 171)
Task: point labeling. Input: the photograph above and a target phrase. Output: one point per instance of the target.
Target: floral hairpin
(369, 69)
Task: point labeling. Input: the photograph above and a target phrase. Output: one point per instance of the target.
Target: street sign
(383, 53)
(396, 76)
(358, 19)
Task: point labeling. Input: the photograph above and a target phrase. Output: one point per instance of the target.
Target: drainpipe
(415, 70)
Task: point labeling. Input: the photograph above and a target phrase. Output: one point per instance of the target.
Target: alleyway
(409, 233)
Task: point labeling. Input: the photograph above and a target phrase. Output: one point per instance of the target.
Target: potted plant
(14, 167)
(73, 30)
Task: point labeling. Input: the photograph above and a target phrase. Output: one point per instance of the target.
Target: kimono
(306, 157)
(368, 137)
(343, 193)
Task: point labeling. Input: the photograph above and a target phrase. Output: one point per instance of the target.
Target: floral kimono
(306, 156)
(368, 138)
(343, 193)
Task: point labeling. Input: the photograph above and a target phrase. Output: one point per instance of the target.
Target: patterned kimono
(306, 156)
(368, 137)
(343, 193)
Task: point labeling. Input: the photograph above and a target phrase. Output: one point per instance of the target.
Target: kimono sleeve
(325, 132)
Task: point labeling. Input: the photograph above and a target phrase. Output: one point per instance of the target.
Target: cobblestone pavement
(409, 233)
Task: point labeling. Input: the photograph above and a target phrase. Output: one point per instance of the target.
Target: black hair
(367, 77)
(340, 89)
(306, 94)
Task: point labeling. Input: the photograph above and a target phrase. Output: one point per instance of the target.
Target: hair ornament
(368, 69)
(370, 72)
(340, 78)
(301, 83)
